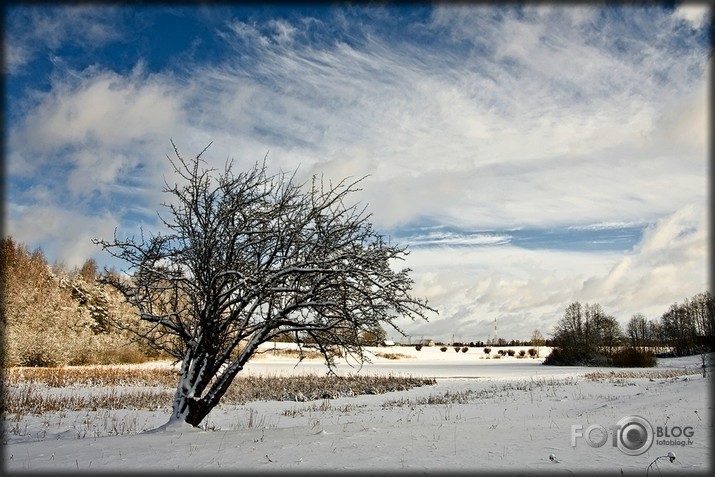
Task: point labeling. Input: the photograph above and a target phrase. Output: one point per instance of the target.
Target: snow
(503, 414)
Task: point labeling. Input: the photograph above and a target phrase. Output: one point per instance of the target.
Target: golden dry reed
(651, 373)
(30, 390)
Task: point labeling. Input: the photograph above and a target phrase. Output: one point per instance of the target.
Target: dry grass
(314, 387)
(30, 390)
(393, 355)
(31, 399)
(548, 385)
(323, 406)
(651, 374)
(92, 376)
(463, 397)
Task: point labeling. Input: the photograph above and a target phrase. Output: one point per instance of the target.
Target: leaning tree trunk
(191, 403)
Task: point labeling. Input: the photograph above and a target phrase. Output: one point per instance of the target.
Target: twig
(670, 456)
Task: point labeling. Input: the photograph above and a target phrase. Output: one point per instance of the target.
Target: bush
(522, 353)
(457, 348)
(501, 352)
(511, 352)
(418, 347)
(130, 354)
(575, 357)
(558, 357)
(465, 349)
(443, 349)
(532, 352)
(487, 350)
(633, 358)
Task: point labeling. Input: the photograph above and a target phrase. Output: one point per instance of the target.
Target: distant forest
(55, 316)
(587, 335)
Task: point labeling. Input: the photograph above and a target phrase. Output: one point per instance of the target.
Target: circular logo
(635, 435)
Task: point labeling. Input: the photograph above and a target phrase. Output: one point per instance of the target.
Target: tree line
(55, 316)
(587, 335)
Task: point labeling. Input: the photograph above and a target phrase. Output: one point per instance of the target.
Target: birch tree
(249, 256)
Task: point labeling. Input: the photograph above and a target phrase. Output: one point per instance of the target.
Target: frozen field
(505, 415)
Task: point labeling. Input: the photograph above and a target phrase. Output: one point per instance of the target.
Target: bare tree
(638, 332)
(585, 334)
(610, 334)
(252, 256)
(679, 329)
(537, 341)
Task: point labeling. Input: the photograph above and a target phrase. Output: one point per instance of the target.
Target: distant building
(388, 343)
(425, 342)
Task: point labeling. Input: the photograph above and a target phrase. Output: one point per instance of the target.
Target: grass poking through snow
(28, 390)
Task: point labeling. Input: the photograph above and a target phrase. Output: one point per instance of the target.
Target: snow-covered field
(503, 414)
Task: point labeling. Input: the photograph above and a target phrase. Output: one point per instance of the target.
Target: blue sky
(529, 156)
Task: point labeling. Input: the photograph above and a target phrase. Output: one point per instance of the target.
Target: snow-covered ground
(503, 414)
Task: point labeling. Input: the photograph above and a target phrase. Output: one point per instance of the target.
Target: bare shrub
(392, 355)
(633, 358)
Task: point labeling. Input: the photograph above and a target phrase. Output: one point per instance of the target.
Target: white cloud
(416, 122)
(16, 56)
(604, 226)
(540, 120)
(669, 264)
(441, 238)
(695, 14)
(523, 289)
(103, 108)
(99, 133)
(685, 123)
(284, 31)
(527, 289)
(66, 235)
(32, 30)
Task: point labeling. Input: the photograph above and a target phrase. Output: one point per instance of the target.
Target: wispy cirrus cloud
(586, 133)
(38, 30)
(518, 130)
